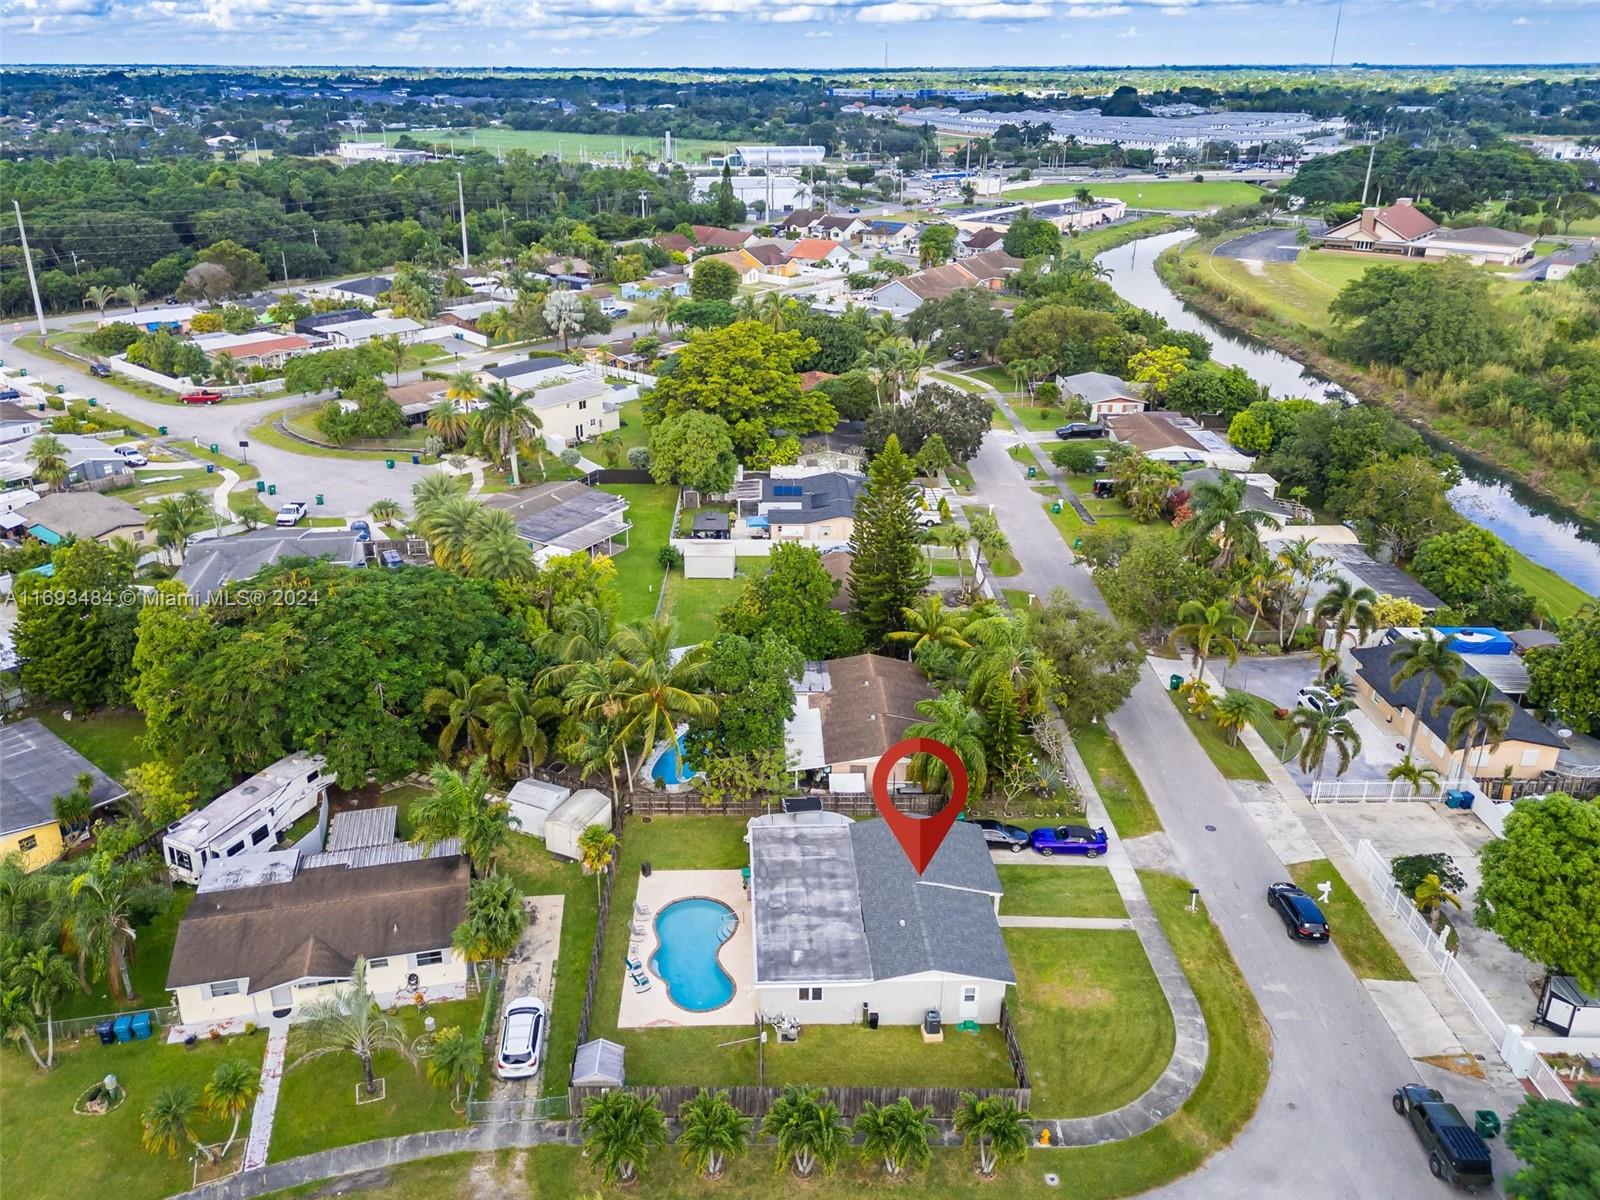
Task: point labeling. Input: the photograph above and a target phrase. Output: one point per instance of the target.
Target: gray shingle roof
(1375, 667)
(35, 767)
(211, 564)
(525, 366)
(820, 498)
(1383, 578)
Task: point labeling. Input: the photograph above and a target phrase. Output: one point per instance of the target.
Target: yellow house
(35, 767)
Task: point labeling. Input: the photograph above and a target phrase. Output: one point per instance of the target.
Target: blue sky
(780, 33)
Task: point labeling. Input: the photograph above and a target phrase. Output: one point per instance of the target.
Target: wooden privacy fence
(1019, 1066)
(678, 804)
(757, 1101)
(599, 947)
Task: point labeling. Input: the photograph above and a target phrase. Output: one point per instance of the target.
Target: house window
(374, 963)
(430, 958)
(811, 994)
(228, 987)
(969, 995)
(582, 404)
(1530, 758)
(28, 843)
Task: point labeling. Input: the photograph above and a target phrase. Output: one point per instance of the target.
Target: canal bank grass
(1559, 597)
(1229, 1090)
(1355, 933)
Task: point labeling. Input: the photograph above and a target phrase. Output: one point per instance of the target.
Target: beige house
(87, 515)
(813, 510)
(847, 713)
(1400, 228)
(1481, 244)
(1528, 747)
(579, 410)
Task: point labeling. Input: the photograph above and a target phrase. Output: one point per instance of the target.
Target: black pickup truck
(1456, 1154)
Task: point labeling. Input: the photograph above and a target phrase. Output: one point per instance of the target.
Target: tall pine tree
(889, 571)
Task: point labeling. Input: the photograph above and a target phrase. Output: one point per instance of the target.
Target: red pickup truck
(201, 397)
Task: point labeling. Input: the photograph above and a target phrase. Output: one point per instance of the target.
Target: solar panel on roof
(788, 489)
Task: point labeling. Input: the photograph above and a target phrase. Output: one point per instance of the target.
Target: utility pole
(284, 259)
(461, 196)
(27, 259)
(1367, 182)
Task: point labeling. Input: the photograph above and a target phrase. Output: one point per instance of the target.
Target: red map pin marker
(920, 837)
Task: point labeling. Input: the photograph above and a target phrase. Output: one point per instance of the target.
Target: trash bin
(93, 403)
(1174, 682)
(261, 485)
(1033, 472)
(107, 1032)
(1458, 798)
(389, 462)
(1487, 1122)
(211, 468)
(1055, 507)
(872, 1020)
(162, 430)
(416, 460)
(141, 1026)
(644, 869)
(272, 489)
(214, 448)
(319, 499)
(123, 1028)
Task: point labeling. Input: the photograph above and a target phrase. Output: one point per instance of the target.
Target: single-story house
(338, 316)
(815, 510)
(990, 269)
(837, 228)
(523, 373)
(252, 953)
(169, 318)
(1480, 243)
(567, 268)
(1486, 650)
(578, 410)
(848, 712)
(654, 285)
(89, 460)
(1564, 262)
(977, 241)
(17, 422)
(745, 264)
(1176, 439)
(1105, 395)
(821, 252)
(35, 767)
(799, 222)
(842, 925)
(705, 237)
(898, 236)
(1399, 228)
(1351, 560)
(1528, 747)
(465, 316)
(621, 354)
(267, 348)
(87, 515)
(210, 565)
(773, 255)
(564, 518)
(359, 333)
(365, 290)
(416, 399)
(905, 295)
(1260, 491)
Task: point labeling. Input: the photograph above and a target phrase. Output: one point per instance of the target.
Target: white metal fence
(1371, 791)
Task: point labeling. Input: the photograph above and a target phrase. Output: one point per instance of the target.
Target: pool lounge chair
(641, 983)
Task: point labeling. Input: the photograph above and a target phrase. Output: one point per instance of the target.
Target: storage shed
(597, 1064)
(532, 801)
(565, 825)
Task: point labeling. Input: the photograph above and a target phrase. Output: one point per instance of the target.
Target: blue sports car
(1069, 839)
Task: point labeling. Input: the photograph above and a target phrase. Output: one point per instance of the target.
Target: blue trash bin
(124, 1028)
(107, 1032)
(142, 1027)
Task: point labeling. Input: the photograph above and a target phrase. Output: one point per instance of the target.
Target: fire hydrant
(1044, 1136)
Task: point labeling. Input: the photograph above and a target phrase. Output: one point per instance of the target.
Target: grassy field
(1234, 761)
(693, 604)
(317, 1106)
(1180, 195)
(1560, 598)
(49, 1153)
(1098, 241)
(572, 147)
(1354, 932)
(639, 574)
(1126, 802)
(1039, 891)
(107, 738)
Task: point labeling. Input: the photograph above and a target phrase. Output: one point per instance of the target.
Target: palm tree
(713, 1131)
(658, 692)
(1419, 775)
(448, 524)
(1327, 729)
(1426, 659)
(1306, 568)
(1223, 527)
(349, 1021)
(984, 529)
(49, 460)
(459, 807)
(167, 1122)
(929, 623)
(578, 634)
(467, 706)
(448, 422)
(497, 549)
(776, 311)
(385, 511)
(1002, 650)
(808, 1129)
(174, 519)
(997, 1126)
(495, 919)
(563, 313)
(896, 1135)
(956, 537)
(506, 424)
(18, 1023)
(132, 295)
(1209, 628)
(462, 388)
(516, 729)
(956, 723)
(44, 975)
(454, 1060)
(437, 487)
(1232, 712)
(1430, 898)
(597, 850)
(659, 308)
(100, 296)
(1347, 606)
(98, 908)
(230, 1092)
(620, 1130)
(594, 746)
(392, 348)
(1478, 718)
(1268, 584)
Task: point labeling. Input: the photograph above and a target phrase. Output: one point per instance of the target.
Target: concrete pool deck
(654, 1009)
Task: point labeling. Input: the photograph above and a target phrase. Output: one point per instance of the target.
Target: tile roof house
(799, 221)
(837, 228)
(842, 925)
(820, 252)
(905, 295)
(979, 240)
(991, 268)
(848, 711)
(705, 236)
(35, 767)
(1399, 228)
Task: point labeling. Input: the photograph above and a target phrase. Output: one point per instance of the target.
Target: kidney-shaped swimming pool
(689, 933)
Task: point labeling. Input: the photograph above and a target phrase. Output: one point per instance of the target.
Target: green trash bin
(93, 403)
(272, 489)
(162, 430)
(1033, 472)
(319, 499)
(389, 462)
(1487, 1122)
(1055, 506)
(215, 449)
(1174, 682)
(261, 485)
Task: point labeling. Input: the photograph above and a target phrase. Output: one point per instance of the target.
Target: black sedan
(1301, 917)
(1080, 429)
(1001, 836)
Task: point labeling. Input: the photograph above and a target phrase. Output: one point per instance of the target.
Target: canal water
(1521, 518)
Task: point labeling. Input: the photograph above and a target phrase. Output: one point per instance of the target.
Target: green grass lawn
(1125, 799)
(1003, 564)
(152, 955)
(955, 381)
(1281, 737)
(639, 574)
(108, 737)
(48, 1153)
(1560, 598)
(1087, 996)
(1182, 195)
(267, 434)
(1355, 933)
(304, 422)
(572, 147)
(1234, 760)
(959, 478)
(1098, 241)
(1067, 522)
(1017, 598)
(632, 430)
(1036, 891)
(1037, 419)
(996, 377)
(317, 1106)
(693, 604)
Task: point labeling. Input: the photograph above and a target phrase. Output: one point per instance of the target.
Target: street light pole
(27, 260)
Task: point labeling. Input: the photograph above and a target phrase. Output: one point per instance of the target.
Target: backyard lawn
(1048, 891)
(1126, 802)
(639, 573)
(1234, 760)
(693, 604)
(632, 430)
(1093, 1023)
(152, 955)
(48, 1153)
(1354, 932)
(317, 1105)
(107, 738)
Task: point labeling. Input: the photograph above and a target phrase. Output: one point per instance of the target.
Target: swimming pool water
(690, 932)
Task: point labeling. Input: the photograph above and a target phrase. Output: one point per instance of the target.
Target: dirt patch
(1459, 1064)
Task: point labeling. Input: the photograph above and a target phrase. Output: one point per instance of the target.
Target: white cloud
(1132, 31)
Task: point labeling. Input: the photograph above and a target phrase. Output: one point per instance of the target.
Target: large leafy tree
(1560, 1143)
(752, 681)
(1095, 659)
(794, 596)
(1565, 679)
(1541, 885)
(1431, 318)
(888, 570)
(72, 649)
(694, 449)
(957, 418)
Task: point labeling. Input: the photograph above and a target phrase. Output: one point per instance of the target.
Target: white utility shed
(565, 825)
(532, 801)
